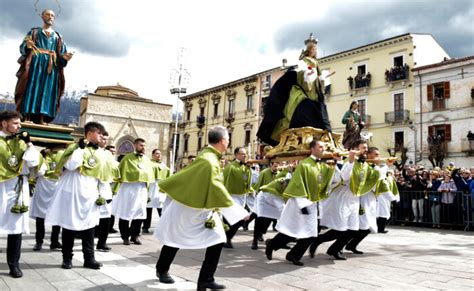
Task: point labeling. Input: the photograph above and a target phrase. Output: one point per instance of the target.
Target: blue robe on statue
(41, 78)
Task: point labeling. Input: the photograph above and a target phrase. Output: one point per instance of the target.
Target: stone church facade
(127, 116)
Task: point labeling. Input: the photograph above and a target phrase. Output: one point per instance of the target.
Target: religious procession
(314, 186)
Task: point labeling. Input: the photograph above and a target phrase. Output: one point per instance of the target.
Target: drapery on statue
(296, 99)
(354, 125)
(40, 77)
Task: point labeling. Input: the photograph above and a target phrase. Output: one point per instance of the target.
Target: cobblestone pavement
(404, 258)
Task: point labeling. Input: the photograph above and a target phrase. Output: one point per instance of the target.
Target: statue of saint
(41, 77)
(354, 125)
(296, 99)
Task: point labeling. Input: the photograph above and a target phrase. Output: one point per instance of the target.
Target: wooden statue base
(51, 134)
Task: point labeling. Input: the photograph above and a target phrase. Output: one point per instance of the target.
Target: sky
(136, 43)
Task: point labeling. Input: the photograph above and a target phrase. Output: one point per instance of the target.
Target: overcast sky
(136, 42)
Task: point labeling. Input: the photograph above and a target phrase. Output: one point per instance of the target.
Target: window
(186, 144)
(188, 115)
(399, 140)
(361, 70)
(267, 82)
(249, 102)
(199, 145)
(247, 137)
(231, 106)
(230, 140)
(201, 111)
(216, 109)
(438, 93)
(398, 106)
(398, 61)
(264, 101)
(362, 107)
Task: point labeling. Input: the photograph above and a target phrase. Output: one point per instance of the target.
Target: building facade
(237, 105)
(379, 77)
(127, 116)
(444, 110)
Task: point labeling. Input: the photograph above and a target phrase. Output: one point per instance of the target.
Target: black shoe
(103, 247)
(55, 245)
(355, 251)
(126, 242)
(260, 238)
(268, 249)
(38, 247)
(145, 230)
(337, 256)
(67, 264)
(312, 249)
(254, 245)
(15, 272)
(113, 230)
(135, 241)
(292, 259)
(210, 285)
(165, 277)
(93, 264)
(228, 245)
(382, 231)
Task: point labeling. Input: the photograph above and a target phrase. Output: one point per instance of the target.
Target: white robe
(16, 223)
(130, 202)
(269, 205)
(157, 198)
(340, 211)
(295, 224)
(384, 203)
(368, 220)
(73, 206)
(183, 227)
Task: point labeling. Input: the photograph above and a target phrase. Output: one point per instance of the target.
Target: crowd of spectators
(361, 81)
(397, 73)
(440, 196)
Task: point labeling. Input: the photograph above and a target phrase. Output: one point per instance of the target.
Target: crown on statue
(311, 40)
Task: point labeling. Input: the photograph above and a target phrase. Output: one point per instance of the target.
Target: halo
(39, 13)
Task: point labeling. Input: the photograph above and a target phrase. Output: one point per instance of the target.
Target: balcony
(366, 119)
(467, 146)
(398, 116)
(230, 117)
(359, 82)
(439, 104)
(200, 121)
(182, 124)
(397, 74)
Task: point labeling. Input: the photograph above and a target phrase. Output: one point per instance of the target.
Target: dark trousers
(253, 216)
(40, 231)
(261, 226)
(356, 237)
(381, 223)
(341, 238)
(102, 231)
(281, 240)
(147, 221)
(128, 230)
(13, 250)
(87, 237)
(233, 229)
(208, 268)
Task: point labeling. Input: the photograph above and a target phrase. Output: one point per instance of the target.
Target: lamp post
(179, 80)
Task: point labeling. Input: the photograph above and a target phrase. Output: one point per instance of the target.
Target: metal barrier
(434, 209)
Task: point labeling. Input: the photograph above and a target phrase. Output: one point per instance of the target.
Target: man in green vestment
(40, 77)
(190, 220)
(309, 184)
(17, 155)
(238, 181)
(136, 173)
